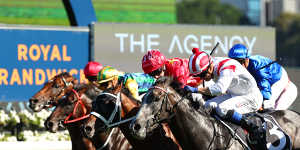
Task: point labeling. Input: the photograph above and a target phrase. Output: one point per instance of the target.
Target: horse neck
(186, 121)
(117, 141)
(130, 108)
(78, 140)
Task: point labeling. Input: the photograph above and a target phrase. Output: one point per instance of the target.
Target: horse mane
(89, 90)
(124, 90)
(176, 85)
(63, 74)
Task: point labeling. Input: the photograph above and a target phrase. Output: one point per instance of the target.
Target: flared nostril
(88, 129)
(50, 124)
(136, 127)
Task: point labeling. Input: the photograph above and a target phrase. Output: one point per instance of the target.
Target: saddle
(276, 138)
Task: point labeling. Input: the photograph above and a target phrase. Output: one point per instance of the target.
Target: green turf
(52, 12)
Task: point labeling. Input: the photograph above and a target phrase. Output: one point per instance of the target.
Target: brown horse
(72, 111)
(52, 91)
(50, 95)
(115, 107)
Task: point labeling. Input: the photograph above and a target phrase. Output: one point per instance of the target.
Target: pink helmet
(152, 61)
(92, 68)
(198, 62)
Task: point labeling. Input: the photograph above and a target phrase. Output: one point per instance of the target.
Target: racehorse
(115, 107)
(52, 91)
(50, 95)
(71, 113)
(195, 128)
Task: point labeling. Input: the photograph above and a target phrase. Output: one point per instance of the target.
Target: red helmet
(198, 62)
(152, 61)
(92, 68)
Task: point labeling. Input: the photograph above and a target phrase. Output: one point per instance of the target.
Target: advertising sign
(123, 45)
(32, 56)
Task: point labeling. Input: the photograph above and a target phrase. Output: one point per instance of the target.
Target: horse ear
(119, 84)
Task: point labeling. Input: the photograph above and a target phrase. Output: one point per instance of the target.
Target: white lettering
(136, 43)
(151, 43)
(251, 44)
(235, 38)
(193, 44)
(204, 43)
(175, 40)
(222, 45)
(121, 36)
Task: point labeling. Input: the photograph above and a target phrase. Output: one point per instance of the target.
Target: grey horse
(195, 128)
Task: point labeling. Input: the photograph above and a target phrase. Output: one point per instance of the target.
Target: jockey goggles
(103, 85)
(156, 72)
(202, 74)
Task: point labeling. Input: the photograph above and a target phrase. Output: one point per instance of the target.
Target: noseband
(79, 101)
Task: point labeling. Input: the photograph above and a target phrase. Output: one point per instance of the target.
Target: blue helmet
(238, 51)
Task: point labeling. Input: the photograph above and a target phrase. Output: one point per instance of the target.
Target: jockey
(156, 65)
(136, 83)
(235, 91)
(272, 79)
(91, 70)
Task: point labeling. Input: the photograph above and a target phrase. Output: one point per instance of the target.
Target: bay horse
(115, 108)
(195, 128)
(52, 91)
(72, 111)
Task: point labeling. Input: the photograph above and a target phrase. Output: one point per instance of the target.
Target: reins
(156, 116)
(107, 140)
(109, 123)
(79, 101)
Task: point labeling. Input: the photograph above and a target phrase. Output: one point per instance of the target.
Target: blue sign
(30, 57)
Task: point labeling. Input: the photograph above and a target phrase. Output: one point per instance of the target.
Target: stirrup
(259, 138)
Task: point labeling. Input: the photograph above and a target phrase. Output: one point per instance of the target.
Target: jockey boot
(256, 136)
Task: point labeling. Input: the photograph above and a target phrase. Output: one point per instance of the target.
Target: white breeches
(284, 92)
(242, 104)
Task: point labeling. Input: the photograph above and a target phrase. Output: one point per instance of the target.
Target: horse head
(52, 91)
(74, 107)
(158, 106)
(108, 110)
(106, 107)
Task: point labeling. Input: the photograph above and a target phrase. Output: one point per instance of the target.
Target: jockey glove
(191, 89)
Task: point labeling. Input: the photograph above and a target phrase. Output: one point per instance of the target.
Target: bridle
(109, 123)
(67, 84)
(78, 101)
(156, 118)
(118, 108)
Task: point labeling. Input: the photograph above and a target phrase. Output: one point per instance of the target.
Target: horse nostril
(50, 124)
(137, 127)
(88, 129)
